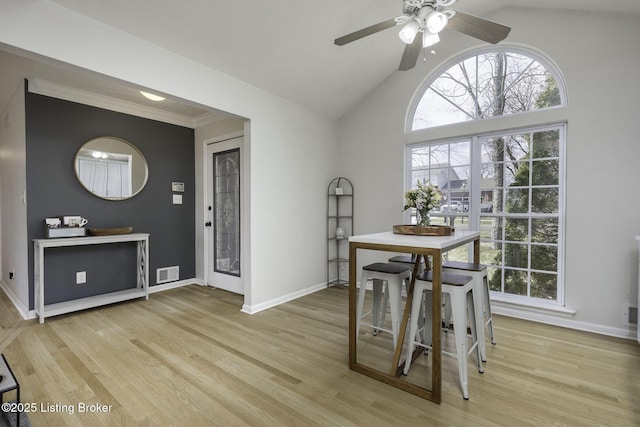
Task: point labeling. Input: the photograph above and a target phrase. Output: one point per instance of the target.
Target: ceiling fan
(429, 17)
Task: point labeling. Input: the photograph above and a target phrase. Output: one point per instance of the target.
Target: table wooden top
(433, 242)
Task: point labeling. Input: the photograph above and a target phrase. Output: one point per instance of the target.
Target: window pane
(460, 153)
(490, 253)
(544, 230)
(517, 200)
(491, 228)
(544, 286)
(517, 229)
(420, 157)
(495, 278)
(544, 258)
(439, 155)
(544, 200)
(516, 173)
(517, 146)
(545, 172)
(497, 205)
(492, 150)
(515, 282)
(516, 255)
(546, 144)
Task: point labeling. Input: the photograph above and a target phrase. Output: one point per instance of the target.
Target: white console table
(141, 290)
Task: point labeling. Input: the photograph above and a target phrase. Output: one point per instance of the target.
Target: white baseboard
(22, 309)
(252, 309)
(31, 314)
(564, 322)
(173, 285)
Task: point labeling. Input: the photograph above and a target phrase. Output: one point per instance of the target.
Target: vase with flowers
(423, 198)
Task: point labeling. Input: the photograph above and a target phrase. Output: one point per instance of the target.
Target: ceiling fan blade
(480, 28)
(356, 35)
(411, 53)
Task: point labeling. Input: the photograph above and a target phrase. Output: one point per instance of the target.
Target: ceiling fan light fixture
(152, 96)
(409, 31)
(436, 21)
(429, 39)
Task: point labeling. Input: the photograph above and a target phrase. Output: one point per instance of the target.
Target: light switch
(177, 199)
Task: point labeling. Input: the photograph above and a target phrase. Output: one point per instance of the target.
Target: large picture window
(507, 184)
(511, 188)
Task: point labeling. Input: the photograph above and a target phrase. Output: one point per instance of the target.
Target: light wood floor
(190, 357)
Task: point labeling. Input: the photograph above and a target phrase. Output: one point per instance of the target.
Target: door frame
(244, 212)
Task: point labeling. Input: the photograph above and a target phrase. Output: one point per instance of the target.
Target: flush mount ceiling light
(152, 96)
(430, 17)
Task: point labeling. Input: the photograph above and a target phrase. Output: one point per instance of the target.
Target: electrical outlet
(12, 274)
(81, 277)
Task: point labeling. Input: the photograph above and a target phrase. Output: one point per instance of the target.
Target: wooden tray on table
(432, 230)
(109, 231)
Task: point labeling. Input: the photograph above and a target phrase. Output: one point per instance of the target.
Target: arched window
(485, 84)
(508, 183)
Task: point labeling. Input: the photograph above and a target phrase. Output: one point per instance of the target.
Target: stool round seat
(383, 267)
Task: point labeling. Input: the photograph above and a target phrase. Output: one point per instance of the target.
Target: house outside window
(507, 183)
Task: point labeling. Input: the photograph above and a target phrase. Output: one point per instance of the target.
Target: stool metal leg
(487, 309)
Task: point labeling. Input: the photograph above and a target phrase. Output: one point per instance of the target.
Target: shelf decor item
(423, 198)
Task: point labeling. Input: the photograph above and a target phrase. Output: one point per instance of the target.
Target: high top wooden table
(422, 246)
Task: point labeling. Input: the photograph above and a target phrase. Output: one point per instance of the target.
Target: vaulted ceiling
(283, 46)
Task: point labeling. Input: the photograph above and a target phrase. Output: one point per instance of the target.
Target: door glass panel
(226, 166)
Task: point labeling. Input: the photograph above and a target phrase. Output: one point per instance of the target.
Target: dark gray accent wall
(55, 131)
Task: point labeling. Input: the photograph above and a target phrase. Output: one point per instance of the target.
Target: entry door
(224, 215)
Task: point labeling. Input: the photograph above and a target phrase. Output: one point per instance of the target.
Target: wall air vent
(633, 315)
(167, 274)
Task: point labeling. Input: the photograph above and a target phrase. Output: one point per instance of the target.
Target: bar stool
(482, 302)
(459, 289)
(407, 260)
(8, 382)
(393, 275)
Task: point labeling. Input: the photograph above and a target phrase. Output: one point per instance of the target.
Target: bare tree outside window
(487, 85)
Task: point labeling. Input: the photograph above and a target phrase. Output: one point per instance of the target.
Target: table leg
(436, 323)
(396, 368)
(476, 251)
(352, 306)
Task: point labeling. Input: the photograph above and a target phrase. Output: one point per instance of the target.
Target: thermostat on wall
(177, 186)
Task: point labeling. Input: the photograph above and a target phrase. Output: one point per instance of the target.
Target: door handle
(207, 224)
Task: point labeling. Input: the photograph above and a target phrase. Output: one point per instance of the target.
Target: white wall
(599, 57)
(292, 150)
(13, 211)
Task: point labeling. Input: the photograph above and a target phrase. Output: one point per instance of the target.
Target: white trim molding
(252, 309)
(557, 316)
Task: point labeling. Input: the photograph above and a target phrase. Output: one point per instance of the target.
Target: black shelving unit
(339, 228)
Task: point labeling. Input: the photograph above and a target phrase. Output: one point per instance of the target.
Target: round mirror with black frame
(111, 168)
